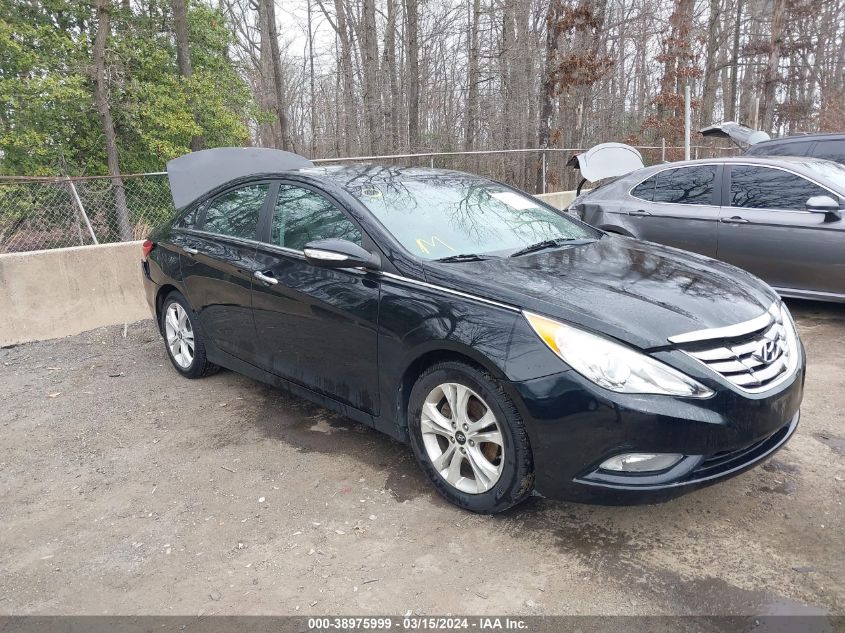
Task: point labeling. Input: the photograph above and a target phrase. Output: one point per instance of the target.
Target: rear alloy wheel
(184, 342)
(469, 438)
(179, 334)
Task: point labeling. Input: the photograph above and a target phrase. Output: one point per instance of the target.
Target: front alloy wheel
(469, 438)
(462, 438)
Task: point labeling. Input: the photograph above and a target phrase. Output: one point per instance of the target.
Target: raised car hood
(637, 292)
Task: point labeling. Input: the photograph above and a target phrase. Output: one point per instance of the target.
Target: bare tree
(101, 98)
(269, 10)
(413, 72)
(183, 57)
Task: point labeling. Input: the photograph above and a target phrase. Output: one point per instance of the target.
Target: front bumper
(720, 436)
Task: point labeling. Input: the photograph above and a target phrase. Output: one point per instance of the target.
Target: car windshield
(438, 216)
(830, 171)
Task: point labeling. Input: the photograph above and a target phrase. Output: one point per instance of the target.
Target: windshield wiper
(465, 257)
(560, 241)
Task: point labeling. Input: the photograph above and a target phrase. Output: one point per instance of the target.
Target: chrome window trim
(668, 168)
(244, 240)
(451, 291)
(729, 331)
(220, 236)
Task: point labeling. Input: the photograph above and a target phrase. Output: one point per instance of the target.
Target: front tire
(469, 439)
(184, 343)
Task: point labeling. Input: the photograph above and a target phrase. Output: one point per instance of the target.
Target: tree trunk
(391, 112)
(268, 131)
(708, 91)
(472, 79)
(346, 120)
(412, 47)
(101, 99)
(548, 90)
(767, 105)
(183, 59)
(368, 40)
(731, 97)
(276, 62)
(313, 98)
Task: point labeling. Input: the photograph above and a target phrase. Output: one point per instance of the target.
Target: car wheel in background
(469, 438)
(184, 342)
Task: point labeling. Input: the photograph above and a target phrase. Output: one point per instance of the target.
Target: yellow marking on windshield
(424, 245)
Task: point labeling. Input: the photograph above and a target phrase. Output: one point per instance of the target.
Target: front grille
(754, 356)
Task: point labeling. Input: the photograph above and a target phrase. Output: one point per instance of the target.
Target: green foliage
(48, 121)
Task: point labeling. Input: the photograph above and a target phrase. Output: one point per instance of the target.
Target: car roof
(792, 161)
(799, 164)
(371, 173)
(799, 138)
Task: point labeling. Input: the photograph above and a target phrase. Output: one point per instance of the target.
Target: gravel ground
(129, 490)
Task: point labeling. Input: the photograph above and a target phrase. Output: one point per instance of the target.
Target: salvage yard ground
(129, 490)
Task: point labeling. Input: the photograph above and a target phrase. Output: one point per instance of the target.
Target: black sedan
(513, 347)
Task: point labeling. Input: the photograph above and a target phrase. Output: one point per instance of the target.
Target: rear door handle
(639, 212)
(189, 250)
(267, 279)
(734, 220)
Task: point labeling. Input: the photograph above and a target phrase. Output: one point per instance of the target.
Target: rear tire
(183, 341)
(479, 456)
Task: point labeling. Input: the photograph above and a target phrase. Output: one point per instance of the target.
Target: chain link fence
(44, 213)
(38, 214)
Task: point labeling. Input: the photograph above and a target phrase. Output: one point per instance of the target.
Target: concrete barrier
(65, 291)
(48, 294)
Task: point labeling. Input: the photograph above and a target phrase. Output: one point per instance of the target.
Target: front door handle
(267, 279)
(639, 212)
(189, 250)
(734, 220)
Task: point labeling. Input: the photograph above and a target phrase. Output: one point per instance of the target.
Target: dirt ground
(129, 490)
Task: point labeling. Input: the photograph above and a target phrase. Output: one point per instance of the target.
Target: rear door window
(191, 219)
(686, 185)
(235, 213)
(755, 187)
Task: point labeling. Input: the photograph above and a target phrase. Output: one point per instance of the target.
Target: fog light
(641, 462)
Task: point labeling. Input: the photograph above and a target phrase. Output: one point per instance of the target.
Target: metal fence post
(432, 162)
(81, 209)
(663, 150)
(543, 162)
(687, 121)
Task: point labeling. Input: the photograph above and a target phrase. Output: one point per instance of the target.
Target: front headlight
(791, 334)
(611, 365)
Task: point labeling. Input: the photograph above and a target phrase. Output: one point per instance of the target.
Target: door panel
(786, 247)
(218, 264)
(316, 326)
(218, 284)
(678, 207)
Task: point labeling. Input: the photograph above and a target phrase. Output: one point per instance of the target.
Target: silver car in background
(778, 218)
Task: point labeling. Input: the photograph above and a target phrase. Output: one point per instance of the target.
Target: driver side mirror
(337, 253)
(825, 204)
